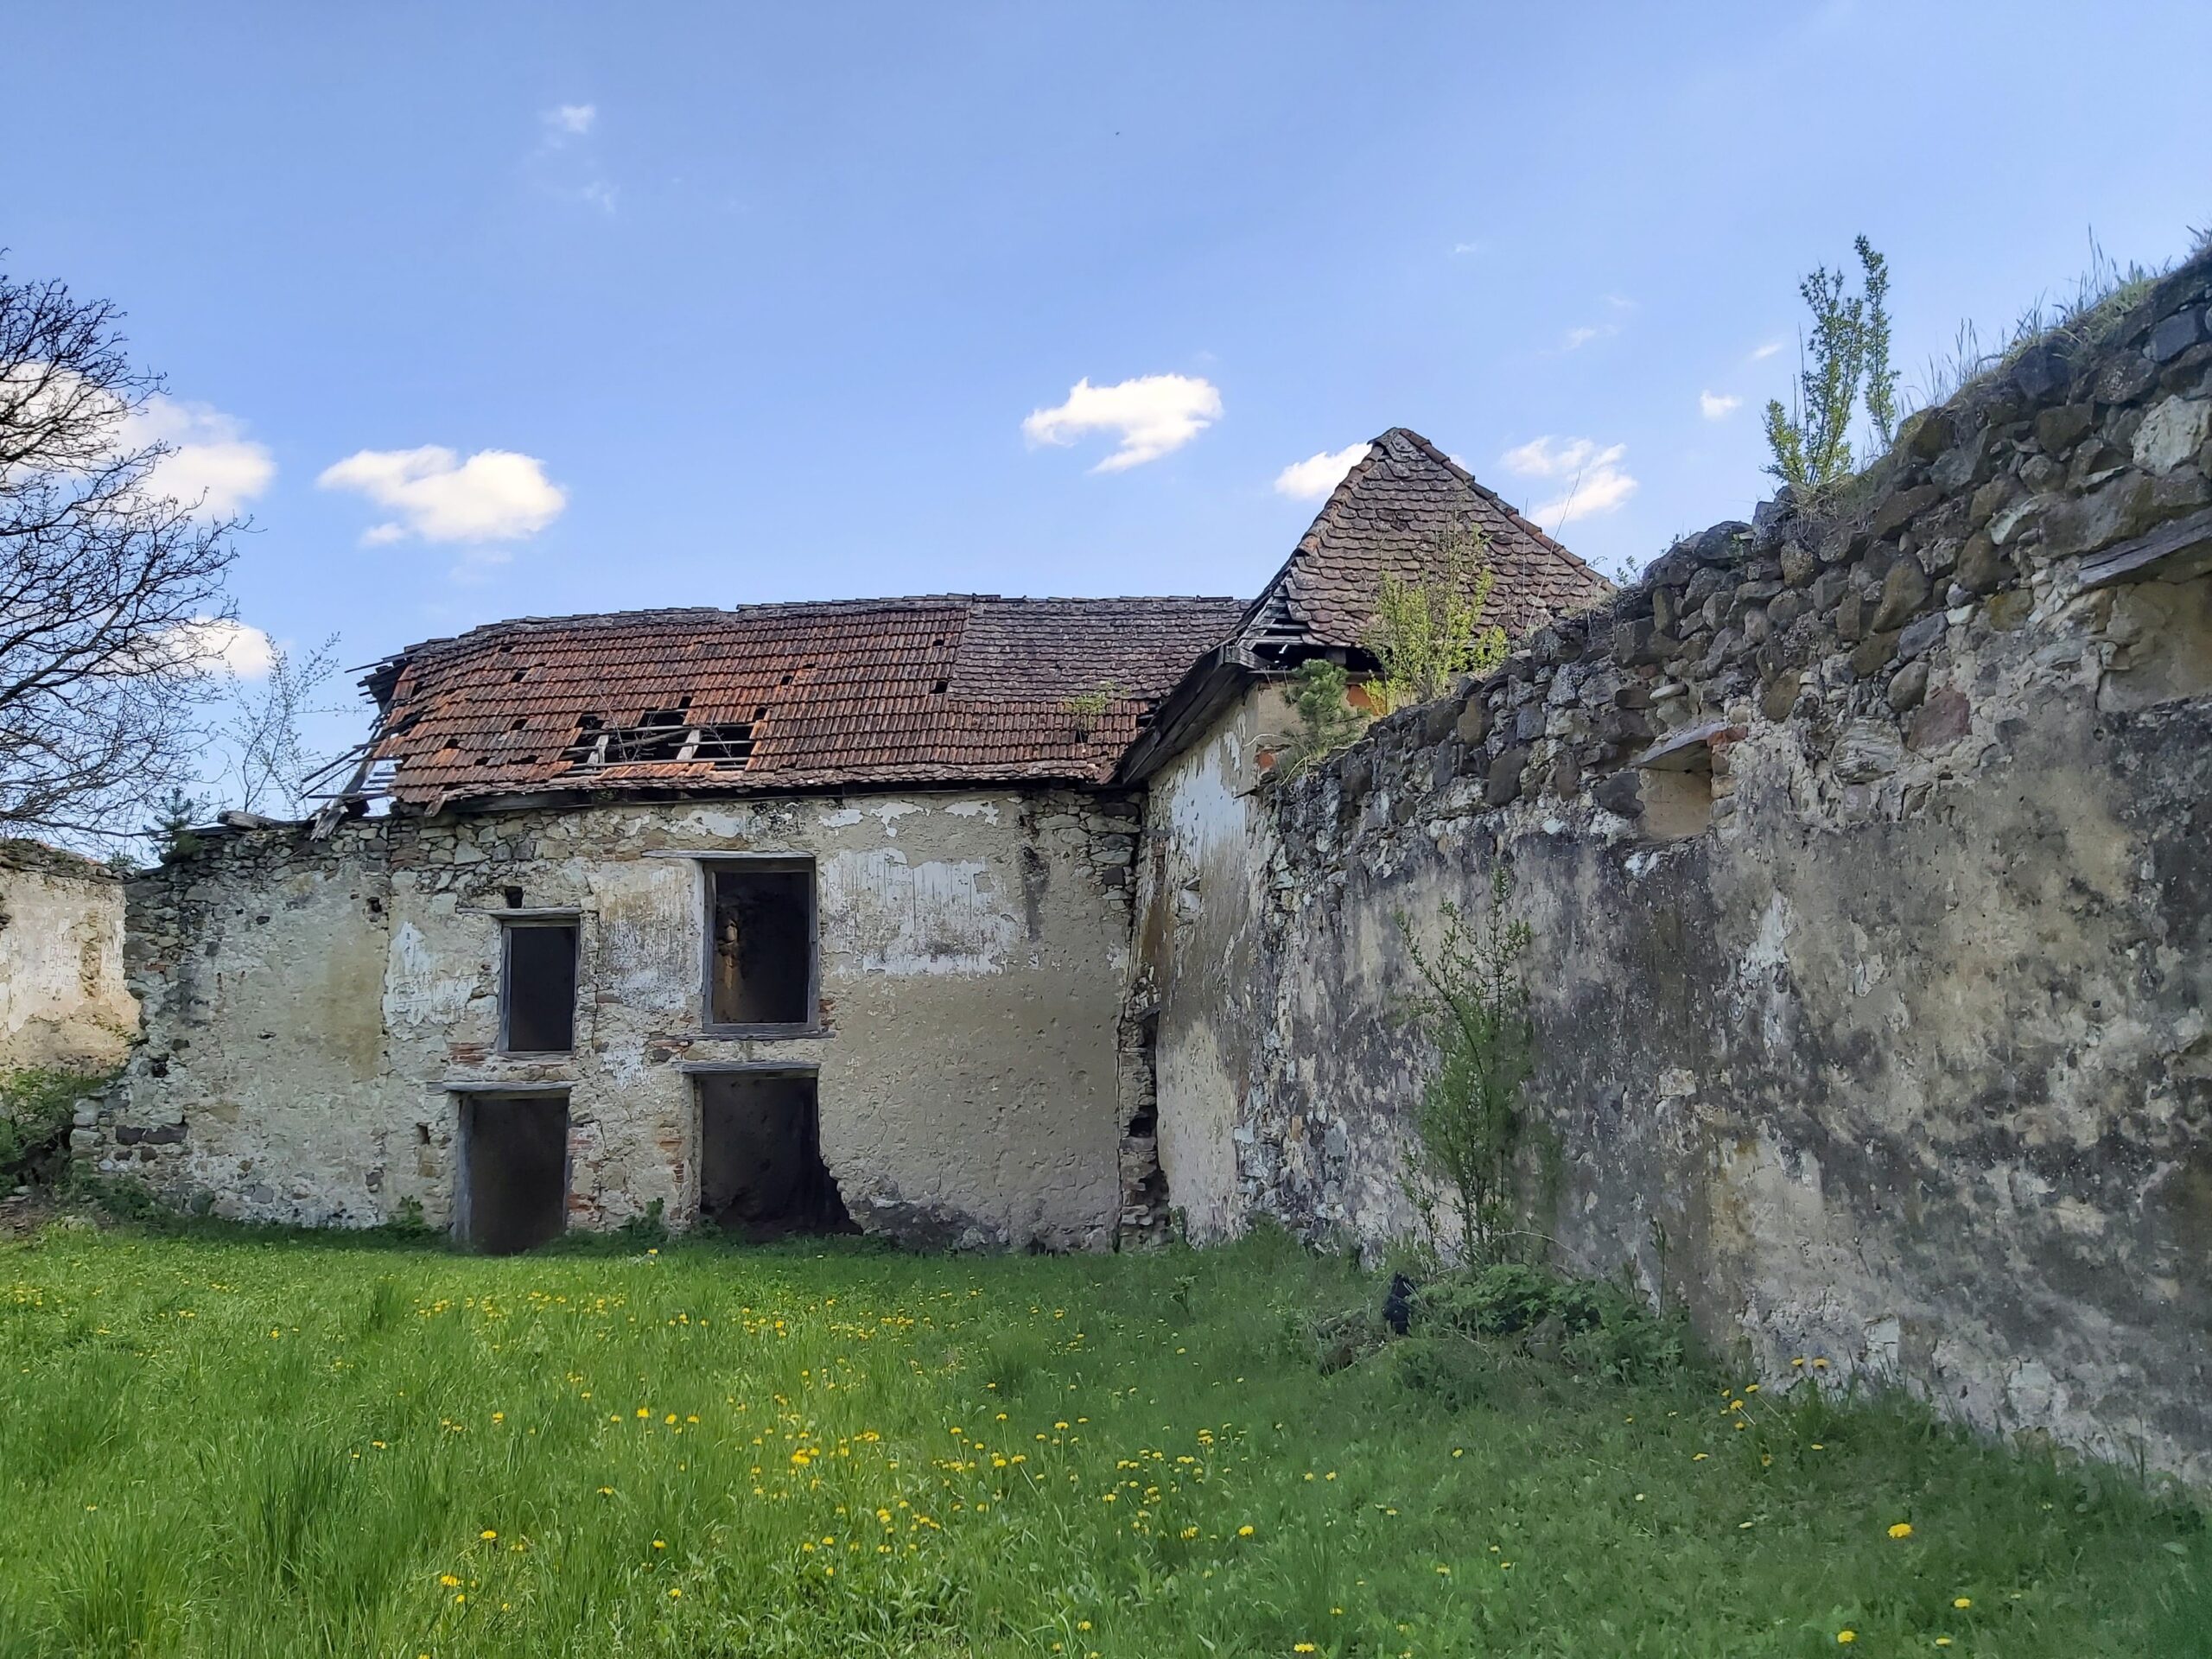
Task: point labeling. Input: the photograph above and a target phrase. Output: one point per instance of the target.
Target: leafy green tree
(1844, 364)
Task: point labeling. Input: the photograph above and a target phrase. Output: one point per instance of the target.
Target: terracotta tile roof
(942, 689)
(1392, 512)
(1388, 514)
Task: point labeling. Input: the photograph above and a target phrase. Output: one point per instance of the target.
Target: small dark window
(760, 944)
(539, 996)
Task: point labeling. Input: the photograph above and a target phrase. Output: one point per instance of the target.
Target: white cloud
(1459, 248)
(567, 121)
(1153, 414)
(1595, 482)
(1717, 405)
(211, 642)
(1767, 350)
(495, 495)
(211, 461)
(1315, 476)
(1579, 337)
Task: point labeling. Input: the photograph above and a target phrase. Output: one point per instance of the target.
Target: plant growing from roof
(1849, 366)
(1087, 707)
(1428, 630)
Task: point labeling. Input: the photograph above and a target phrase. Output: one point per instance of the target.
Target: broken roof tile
(943, 689)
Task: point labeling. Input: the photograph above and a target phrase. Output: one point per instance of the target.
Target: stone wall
(312, 1008)
(62, 999)
(1866, 853)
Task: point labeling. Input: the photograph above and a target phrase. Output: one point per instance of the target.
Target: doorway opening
(761, 1168)
(514, 1171)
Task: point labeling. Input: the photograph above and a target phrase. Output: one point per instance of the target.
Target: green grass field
(288, 1446)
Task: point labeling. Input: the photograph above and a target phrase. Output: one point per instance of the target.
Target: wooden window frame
(711, 865)
(510, 920)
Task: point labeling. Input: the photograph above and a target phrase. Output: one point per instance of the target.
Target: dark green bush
(1589, 1326)
(35, 1109)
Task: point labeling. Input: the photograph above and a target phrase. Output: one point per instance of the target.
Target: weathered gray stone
(1982, 569)
(1619, 793)
(2059, 430)
(1502, 787)
(2041, 370)
(2173, 336)
(2172, 433)
(1907, 686)
(1850, 615)
(1905, 590)
(1873, 654)
(2124, 378)
(2083, 523)
(1920, 636)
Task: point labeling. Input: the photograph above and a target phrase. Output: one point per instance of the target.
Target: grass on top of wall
(292, 1445)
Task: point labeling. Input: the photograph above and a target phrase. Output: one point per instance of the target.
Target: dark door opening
(761, 1168)
(537, 995)
(761, 927)
(514, 1154)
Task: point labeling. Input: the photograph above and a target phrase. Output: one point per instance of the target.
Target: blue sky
(713, 304)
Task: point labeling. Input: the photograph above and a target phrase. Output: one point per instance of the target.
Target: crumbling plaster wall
(1867, 856)
(310, 1006)
(62, 999)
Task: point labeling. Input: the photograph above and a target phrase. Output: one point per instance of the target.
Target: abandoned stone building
(1863, 846)
(790, 915)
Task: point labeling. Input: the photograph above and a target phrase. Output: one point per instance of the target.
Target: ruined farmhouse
(1864, 846)
(800, 916)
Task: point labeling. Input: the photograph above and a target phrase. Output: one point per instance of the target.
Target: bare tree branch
(106, 584)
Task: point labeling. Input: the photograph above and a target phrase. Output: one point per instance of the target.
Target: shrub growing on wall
(1469, 1127)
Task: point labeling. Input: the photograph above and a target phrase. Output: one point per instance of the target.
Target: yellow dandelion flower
(1846, 1637)
(1244, 1531)
(487, 1535)
(1962, 1601)
(1303, 1647)
(1901, 1529)
(673, 1591)
(449, 1580)
(1943, 1641)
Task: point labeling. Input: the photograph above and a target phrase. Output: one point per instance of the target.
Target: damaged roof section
(1394, 512)
(1397, 512)
(944, 689)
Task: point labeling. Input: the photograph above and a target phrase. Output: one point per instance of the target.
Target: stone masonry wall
(311, 1008)
(1867, 857)
(62, 999)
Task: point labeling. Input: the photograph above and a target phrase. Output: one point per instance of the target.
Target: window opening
(538, 994)
(760, 944)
